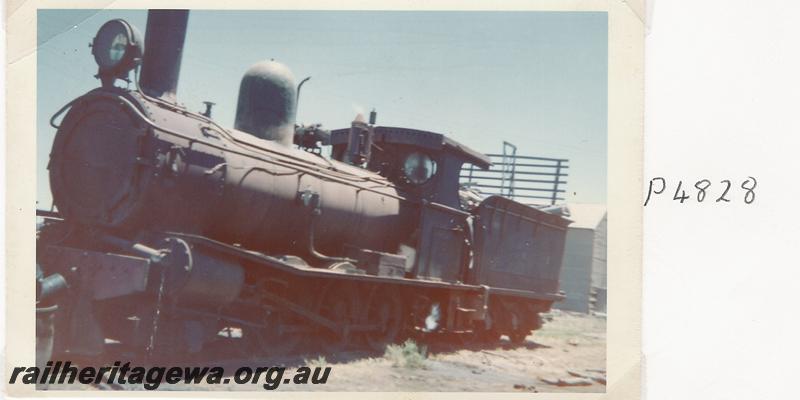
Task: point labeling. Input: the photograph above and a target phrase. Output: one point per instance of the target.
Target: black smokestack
(163, 44)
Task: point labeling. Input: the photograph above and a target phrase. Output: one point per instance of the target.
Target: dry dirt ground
(568, 345)
(570, 342)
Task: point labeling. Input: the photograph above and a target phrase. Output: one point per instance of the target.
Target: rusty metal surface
(307, 271)
(111, 275)
(518, 247)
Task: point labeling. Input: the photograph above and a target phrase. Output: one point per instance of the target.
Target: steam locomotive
(171, 230)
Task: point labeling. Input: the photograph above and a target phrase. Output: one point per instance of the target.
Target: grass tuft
(319, 362)
(408, 354)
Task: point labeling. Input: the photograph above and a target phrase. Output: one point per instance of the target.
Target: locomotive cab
(426, 167)
(425, 164)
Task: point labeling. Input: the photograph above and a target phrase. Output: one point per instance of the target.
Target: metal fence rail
(528, 179)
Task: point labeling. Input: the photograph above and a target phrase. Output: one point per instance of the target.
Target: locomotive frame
(125, 272)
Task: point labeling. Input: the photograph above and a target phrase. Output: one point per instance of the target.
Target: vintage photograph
(361, 201)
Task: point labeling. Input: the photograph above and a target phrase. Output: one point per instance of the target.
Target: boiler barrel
(111, 167)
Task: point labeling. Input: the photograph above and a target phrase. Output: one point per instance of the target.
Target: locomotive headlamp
(418, 168)
(117, 48)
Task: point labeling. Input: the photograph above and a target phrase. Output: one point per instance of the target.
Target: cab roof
(425, 139)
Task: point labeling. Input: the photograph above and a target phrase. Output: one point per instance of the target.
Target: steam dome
(267, 102)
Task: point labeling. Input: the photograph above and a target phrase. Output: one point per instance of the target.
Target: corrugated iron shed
(583, 274)
(586, 215)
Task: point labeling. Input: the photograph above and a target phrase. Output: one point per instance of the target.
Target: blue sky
(535, 79)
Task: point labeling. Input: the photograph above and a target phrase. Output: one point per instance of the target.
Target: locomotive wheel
(517, 337)
(337, 304)
(518, 324)
(273, 339)
(489, 332)
(481, 334)
(386, 311)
